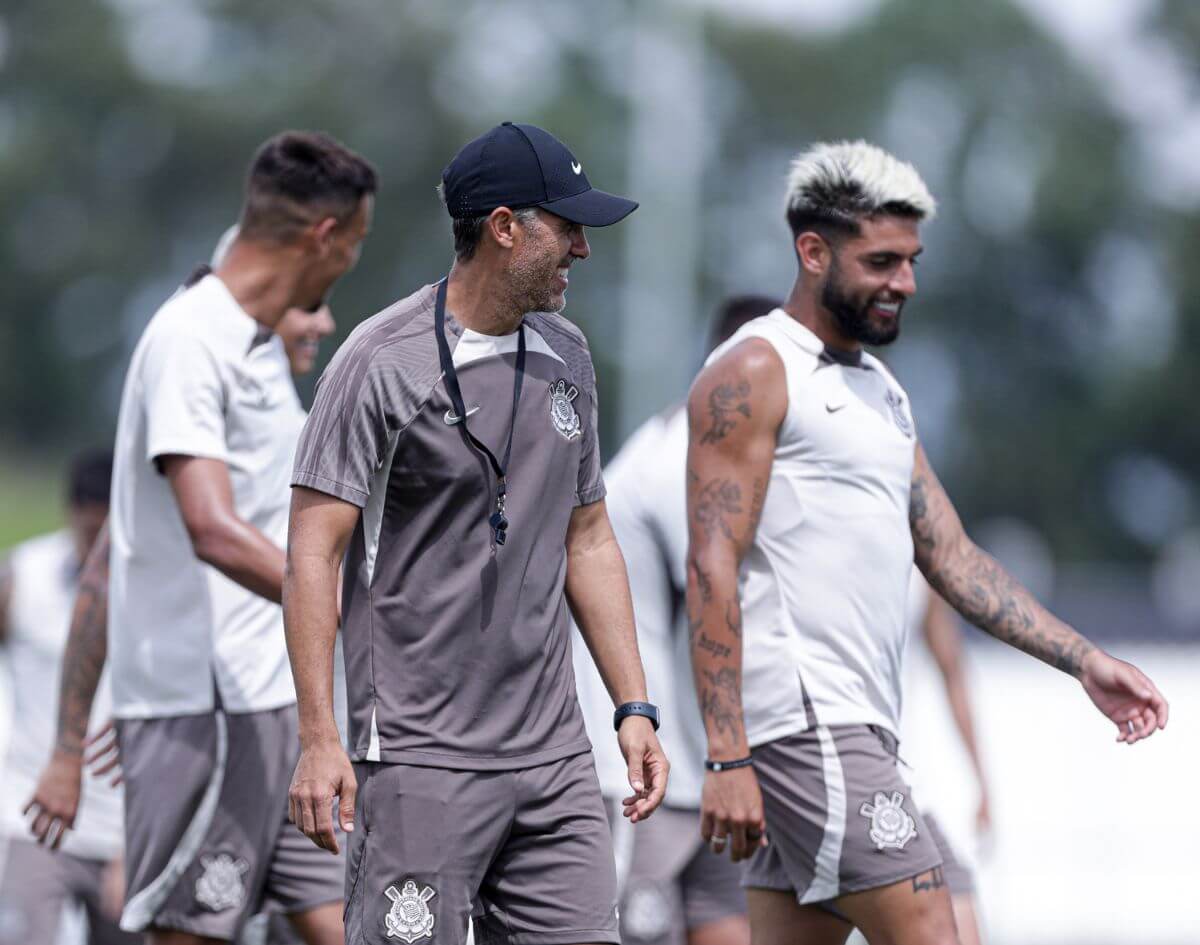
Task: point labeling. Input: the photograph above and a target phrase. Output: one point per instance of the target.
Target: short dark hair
(297, 178)
(735, 311)
(468, 231)
(89, 478)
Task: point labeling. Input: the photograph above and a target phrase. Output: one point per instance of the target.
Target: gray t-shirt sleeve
(590, 485)
(346, 436)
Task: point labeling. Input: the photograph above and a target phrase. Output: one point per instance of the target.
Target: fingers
(707, 826)
(346, 803)
(656, 768)
(323, 813)
(636, 778)
(720, 835)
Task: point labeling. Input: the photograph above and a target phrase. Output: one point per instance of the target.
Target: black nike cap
(519, 166)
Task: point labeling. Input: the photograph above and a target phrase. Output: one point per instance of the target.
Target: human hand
(1125, 695)
(731, 811)
(323, 773)
(55, 800)
(647, 764)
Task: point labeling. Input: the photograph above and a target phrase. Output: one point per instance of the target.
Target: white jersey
(825, 584)
(45, 574)
(648, 508)
(205, 381)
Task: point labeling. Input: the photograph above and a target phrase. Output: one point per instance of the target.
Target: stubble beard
(854, 318)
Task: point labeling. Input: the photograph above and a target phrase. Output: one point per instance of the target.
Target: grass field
(30, 497)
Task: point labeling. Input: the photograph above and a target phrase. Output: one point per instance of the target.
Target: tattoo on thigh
(927, 882)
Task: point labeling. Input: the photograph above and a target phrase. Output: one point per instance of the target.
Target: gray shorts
(37, 885)
(840, 818)
(525, 854)
(670, 883)
(207, 839)
(959, 879)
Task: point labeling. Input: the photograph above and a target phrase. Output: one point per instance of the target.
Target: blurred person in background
(809, 497)
(937, 630)
(673, 890)
(38, 583)
(454, 439)
(202, 693)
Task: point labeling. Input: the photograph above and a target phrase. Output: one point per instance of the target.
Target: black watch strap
(711, 765)
(636, 708)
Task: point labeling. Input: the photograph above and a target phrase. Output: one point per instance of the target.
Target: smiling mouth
(887, 309)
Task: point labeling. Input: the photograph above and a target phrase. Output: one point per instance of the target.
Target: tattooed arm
(975, 585)
(56, 799)
(734, 412)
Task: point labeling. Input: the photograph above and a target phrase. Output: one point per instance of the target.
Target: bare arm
(56, 798)
(945, 643)
(734, 412)
(318, 532)
(219, 537)
(975, 585)
(597, 589)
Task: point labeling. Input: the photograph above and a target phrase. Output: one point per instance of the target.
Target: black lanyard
(500, 467)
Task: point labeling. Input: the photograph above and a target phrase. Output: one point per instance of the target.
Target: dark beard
(854, 319)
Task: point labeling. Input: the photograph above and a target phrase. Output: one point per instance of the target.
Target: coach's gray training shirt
(457, 653)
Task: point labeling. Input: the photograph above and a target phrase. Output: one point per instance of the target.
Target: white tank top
(825, 584)
(45, 578)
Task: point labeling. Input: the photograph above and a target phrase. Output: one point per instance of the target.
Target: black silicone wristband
(636, 708)
(727, 765)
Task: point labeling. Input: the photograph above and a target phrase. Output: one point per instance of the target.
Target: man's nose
(579, 245)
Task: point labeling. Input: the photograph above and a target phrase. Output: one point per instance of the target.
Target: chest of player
(262, 414)
(435, 458)
(851, 427)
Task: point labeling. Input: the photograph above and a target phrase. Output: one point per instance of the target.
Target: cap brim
(592, 208)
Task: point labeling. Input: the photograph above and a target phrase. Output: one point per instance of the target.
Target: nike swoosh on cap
(451, 419)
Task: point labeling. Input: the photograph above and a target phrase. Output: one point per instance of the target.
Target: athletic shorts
(36, 886)
(959, 879)
(669, 882)
(207, 838)
(525, 854)
(840, 818)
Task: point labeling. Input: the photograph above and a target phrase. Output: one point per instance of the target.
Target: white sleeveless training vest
(825, 584)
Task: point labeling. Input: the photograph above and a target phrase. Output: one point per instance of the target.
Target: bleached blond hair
(838, 183)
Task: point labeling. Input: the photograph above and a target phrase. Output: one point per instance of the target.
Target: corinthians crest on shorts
(891, 825)
(409, 919)
(220, 886)
(562, 409)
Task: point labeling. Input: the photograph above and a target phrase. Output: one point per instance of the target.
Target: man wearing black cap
(452, 456)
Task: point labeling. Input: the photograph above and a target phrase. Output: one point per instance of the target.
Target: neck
(264, 282)
(805, 307)
(477, 297)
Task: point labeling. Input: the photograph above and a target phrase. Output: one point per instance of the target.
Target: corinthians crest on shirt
(562, 409)
(409, 918)
(900, 414)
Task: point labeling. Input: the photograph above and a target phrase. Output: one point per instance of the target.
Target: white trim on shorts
(825, 882)
(141, 910)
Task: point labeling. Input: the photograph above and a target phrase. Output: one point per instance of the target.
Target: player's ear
(813, 253)
(502, 225)
(322, 233)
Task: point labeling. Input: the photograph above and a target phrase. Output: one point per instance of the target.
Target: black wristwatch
(636, 708)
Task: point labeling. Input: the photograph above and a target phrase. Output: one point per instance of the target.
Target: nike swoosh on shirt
(451, 419)
(834, 408)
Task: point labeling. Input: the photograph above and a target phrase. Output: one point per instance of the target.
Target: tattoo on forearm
(704, 582)
(710, 645)
(975, 585)
(721, 699)
(86, 650)
(725, 404)
(927, 882)
(717, 500)
(733, 618)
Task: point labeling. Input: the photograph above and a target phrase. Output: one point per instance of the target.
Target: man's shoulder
(568, 341)
(408, 320)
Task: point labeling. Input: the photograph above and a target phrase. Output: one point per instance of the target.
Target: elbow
(210, 540)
